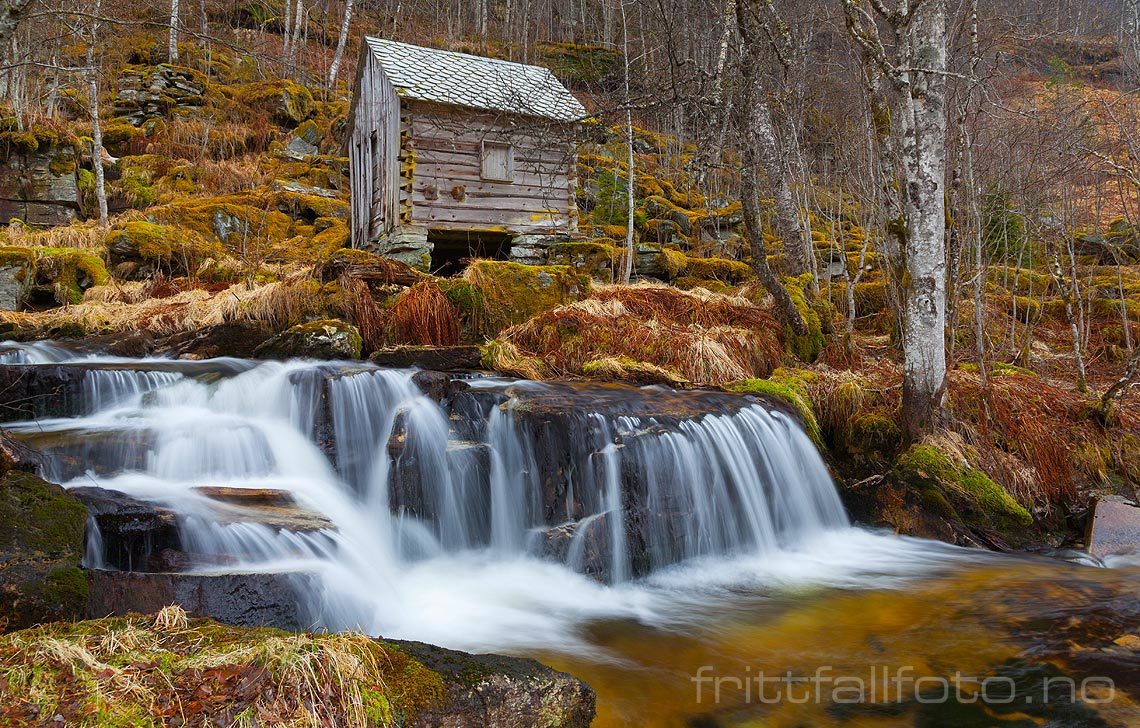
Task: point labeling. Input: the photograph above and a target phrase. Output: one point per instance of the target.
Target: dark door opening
(453, 249)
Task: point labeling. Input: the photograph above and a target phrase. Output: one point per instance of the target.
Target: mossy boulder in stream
(41, 547)
(154, 670)
(325, 339)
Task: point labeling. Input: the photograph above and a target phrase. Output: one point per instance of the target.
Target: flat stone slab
(1114, 528)
(437, 358)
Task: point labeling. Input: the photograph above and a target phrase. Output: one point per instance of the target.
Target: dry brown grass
(151, 671)
(424, 315)
(77, 235)
(1030, 418)
(362, 311)
(131, 307)
(698, 337)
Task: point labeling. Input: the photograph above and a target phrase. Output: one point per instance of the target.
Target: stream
(685, 553)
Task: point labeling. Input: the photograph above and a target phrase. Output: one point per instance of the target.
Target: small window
(498, 162)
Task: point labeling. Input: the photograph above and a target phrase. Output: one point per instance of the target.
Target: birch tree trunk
(340, 44)
(1130, 40)
(96, 123)
(627, 259)
(295, 42)
(756, 115)
(924, 312)
(173, 40)
(768, 152)
(907, 88)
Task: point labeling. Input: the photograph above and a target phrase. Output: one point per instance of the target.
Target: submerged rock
(326, 339)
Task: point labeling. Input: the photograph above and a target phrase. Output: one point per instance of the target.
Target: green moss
(731, 272)
(807, 347)
(870, 297)
(168, 247)
(70, 270)
(464, 296)
(993, 500)
(38, 516)
(285, 102)
(598, 258)
(787, 385)
(980, 497)
(1003, 369)
(67, 585)
(15, 255)
(510, 293)
(62, 164)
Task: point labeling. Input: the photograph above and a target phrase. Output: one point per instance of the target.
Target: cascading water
(520, 485)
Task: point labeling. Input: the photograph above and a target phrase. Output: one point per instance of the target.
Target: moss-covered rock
(139, 249)
(507, 293)
(788, 385)
(150, 671)
(285, 102)
(975, 498)
(41, 547)
(325, 339)
(53, 276)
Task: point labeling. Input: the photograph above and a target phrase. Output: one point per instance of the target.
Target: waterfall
(616, 483)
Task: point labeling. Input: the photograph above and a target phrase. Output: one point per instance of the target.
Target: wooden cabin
(454, 155)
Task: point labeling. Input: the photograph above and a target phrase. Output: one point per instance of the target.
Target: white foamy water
(445, 530)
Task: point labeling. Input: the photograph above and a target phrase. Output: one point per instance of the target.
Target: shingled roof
(447, 77)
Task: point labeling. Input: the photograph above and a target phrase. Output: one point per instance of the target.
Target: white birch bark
(340, 44)
(96, 123)
(908, 109)
(627, 260)
(1130, 39)
(173, 38)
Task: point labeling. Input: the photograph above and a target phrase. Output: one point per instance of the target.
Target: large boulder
(139, 249)
(39, 177)
(325, 339)
(41, 548)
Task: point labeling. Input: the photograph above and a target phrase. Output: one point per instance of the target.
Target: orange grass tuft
(424, 315)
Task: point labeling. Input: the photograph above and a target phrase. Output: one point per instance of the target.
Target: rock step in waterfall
(349, 473)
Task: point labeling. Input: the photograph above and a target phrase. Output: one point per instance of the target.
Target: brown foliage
(424, 315)
(697, 337)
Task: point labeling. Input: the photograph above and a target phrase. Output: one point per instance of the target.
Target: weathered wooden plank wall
(448, 190)
(374, 154)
